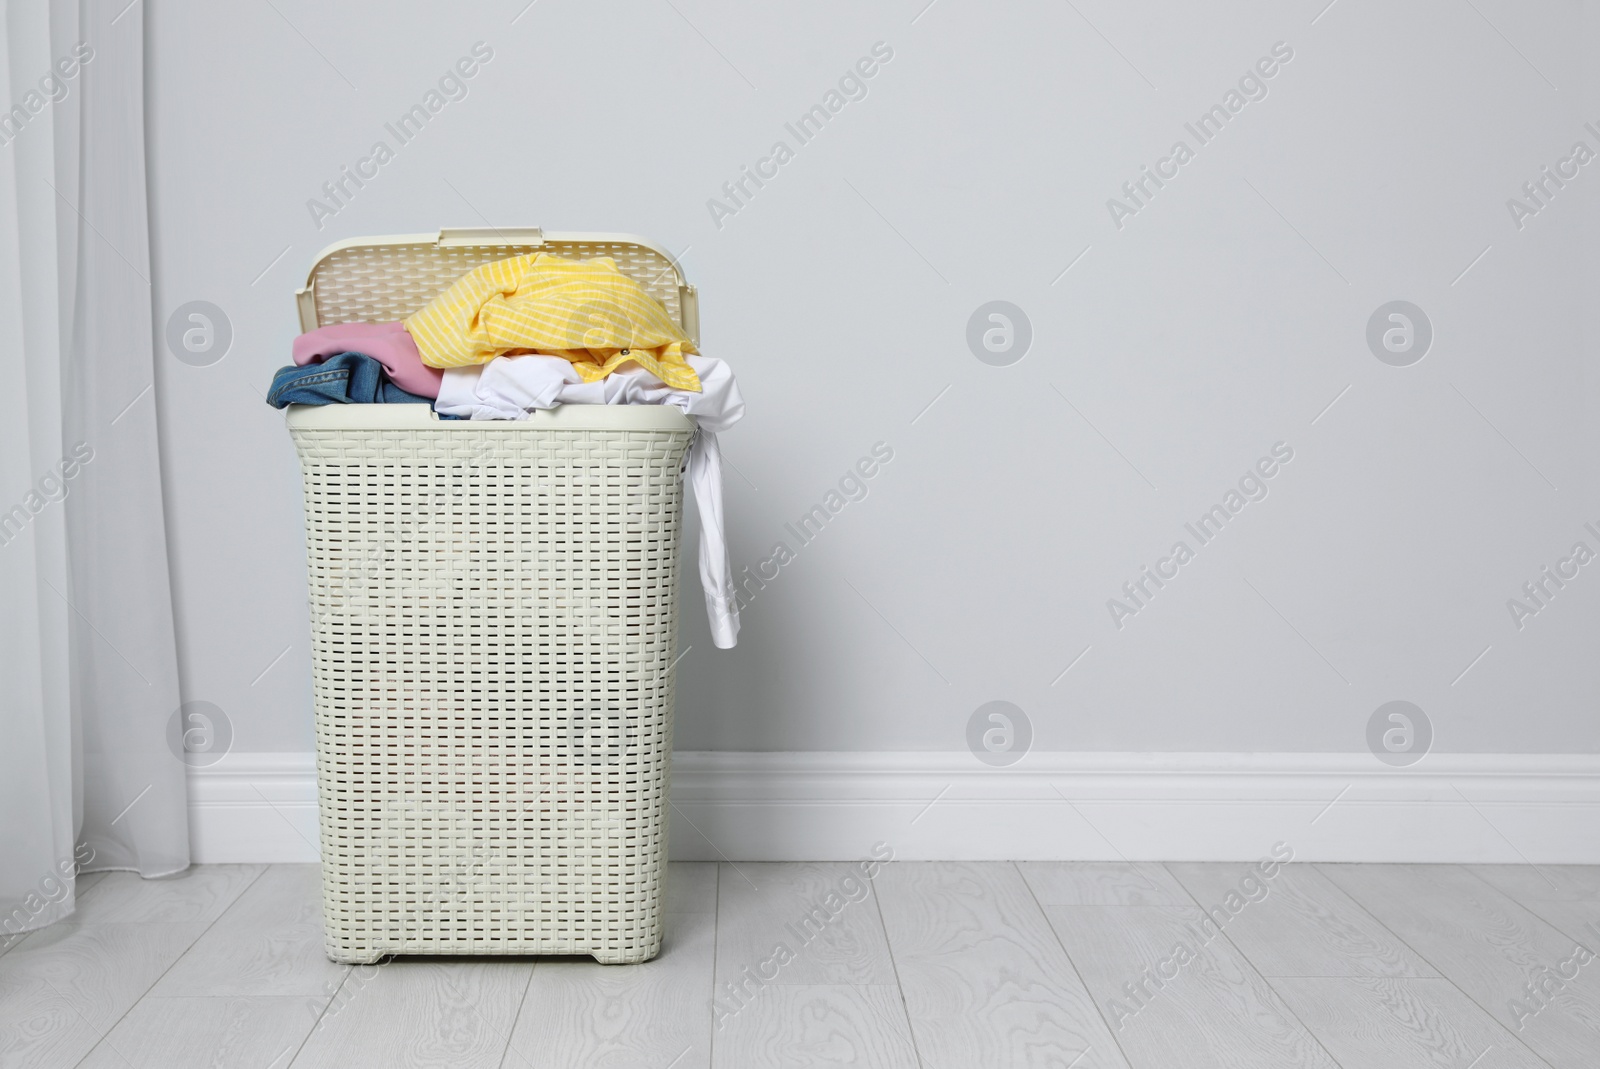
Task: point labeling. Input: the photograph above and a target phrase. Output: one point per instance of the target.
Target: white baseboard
(1517, 808)
(254, 808)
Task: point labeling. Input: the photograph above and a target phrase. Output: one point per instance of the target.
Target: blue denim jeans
(346, 379)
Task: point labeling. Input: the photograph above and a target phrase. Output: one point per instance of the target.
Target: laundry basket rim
(416, 417)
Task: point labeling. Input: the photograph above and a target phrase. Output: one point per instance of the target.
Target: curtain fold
(91, 777)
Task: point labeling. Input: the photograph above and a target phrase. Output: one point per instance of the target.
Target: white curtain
(88, 663)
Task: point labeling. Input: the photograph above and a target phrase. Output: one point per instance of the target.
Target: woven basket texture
(494, 622)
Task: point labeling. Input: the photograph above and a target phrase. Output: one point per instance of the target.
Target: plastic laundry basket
(494, 621)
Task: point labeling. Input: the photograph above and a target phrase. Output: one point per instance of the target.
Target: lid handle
(489, 235)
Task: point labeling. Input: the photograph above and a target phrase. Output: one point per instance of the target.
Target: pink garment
(387, 343)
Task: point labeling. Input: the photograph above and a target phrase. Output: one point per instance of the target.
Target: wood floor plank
(197, 895)
(83, 882)
(580, 1013)
(822, 913)
(1389, 1023)
(985, 980)
(1564, 896)
(205, 1033)
(691, 887)
(982, 973)
(1215, 1012)
(41, 1028)
(817, 1027)
(63, 987)
(1490, 947)
(1301, 923)
(420, 1012)
(1102, 883)
(268, 942)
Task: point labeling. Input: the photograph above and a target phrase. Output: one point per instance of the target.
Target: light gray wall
(1222, 318)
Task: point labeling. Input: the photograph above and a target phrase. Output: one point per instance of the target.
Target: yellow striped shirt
(584, 310)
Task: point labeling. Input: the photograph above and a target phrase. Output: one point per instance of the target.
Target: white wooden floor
(937, 965)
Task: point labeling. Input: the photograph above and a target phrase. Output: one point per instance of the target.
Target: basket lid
(383, 279)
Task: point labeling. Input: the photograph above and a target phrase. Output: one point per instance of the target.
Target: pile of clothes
(531, 332)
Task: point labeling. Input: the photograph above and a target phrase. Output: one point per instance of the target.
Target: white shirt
(514, 387)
